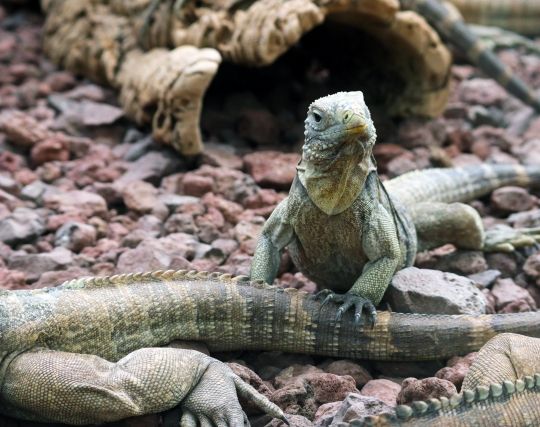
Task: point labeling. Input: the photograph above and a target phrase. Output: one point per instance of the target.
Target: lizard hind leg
(439, 223)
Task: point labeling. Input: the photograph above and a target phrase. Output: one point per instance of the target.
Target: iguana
(502, 388)
(84, 352)
(350, 233)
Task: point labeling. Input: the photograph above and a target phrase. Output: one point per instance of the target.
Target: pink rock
(532, 267)
(231, 211)
(427, 388)
(506, 291)
(55, 278)
(12, 279)
(382, 389)
(304, 393)
(512, 199)
(297, 281)
(76, 202)
(48, 150)
(348, 367)
(140, 196)
(221, 155)
(247, 233)
(384, 153)
(456, 369)
(259, 126)
(482, 91)
(196, 185)
(75, 236)
(272, 168)
(210, 224)
(354, 407)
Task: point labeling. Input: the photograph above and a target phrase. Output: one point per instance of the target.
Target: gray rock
(415, 290)
(75, 236)
(486, 278)
(34, 265)
(354, 407)
(150, 167)
(173, 201)
(36, 190)
(21, 226)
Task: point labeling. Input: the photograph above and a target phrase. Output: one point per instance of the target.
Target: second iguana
(350, 233)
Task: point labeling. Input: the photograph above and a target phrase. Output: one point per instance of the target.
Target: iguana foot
(347, 301)
(503, 238)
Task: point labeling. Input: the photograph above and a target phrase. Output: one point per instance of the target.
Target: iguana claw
(348, 300)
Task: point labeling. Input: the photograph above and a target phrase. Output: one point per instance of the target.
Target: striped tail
(459, 184)
(452, 26)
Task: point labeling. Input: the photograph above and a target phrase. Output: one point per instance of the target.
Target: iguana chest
(328, 248)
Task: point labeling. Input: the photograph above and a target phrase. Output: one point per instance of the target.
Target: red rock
(221, 155)
(75, 236)
(24, 176)
(298, 281)
(532, 267)
(55, 278)
(401, 164)
(348, 367)
(60, 81)
(512, 199)
(456, 369)
(427, 388)
(263, 198)
(140, 196)
(231, 211)
(11, 162)
(247, 233)
(48, 150)
(382, 389)
(259, 126)
(272, 168)
(78, 203)
(506, 291)
(384, 153)
(12, 279)
(196, 185)
(209, 225)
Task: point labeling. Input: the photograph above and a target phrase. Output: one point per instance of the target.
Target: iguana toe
(347, 301)
(503, 238)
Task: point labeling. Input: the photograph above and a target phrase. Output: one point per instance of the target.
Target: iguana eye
(317, 117)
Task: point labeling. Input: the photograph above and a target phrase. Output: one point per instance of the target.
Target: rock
(504, 262)
(140, 196)
(272, 168)
(512, 199)
(36, 190)
(209, 225)
(34, 265)
(50, 149)
(196, 185)
(220, 155)
(401, 164)
(151, 167)
(456, 369)
(181, 223)
(231, 211)
(529, 152)
(12, 279)
(384, 390)
(348, 367)
(525, 219)
(293, 421)
(532, 267)
(486, 278)
(354, 407)
(247, 233)
(55, 278)
(75, 236)
(482, 91)
(413, 290)
(459, 262)
(303, 394)
(297, 281)
(174, 201)
(78, 203)
(23, 225)
(251, 378)
(424, 389)
(167, 253)
(506, 291)
(258, 125)
(86, 112)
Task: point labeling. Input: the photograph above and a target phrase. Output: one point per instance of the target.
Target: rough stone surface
(382, 389)
(21, 226)
(271, 168)
(354, 407)
(430, 291)
(413, 389)
(456, 369)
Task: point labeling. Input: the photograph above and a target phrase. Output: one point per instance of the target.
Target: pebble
(413, 389)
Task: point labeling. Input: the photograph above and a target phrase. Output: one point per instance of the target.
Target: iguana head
(338, 125)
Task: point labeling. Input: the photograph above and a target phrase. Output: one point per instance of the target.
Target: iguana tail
(451, 25)
(459, 184)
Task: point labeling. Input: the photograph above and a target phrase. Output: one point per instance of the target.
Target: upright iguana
(349, 233)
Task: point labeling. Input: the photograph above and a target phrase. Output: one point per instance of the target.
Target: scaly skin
(501, 388)
(349, 233)
(452, 26)
(90, 341)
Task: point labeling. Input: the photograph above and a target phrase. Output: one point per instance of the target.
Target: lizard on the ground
(84, 351)
(349, 233)
(501, 388)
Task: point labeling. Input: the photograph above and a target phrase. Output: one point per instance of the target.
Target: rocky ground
(83, 192)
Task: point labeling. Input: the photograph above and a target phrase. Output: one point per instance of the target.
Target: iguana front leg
(276, 234)
(381, 245)
(54, 386)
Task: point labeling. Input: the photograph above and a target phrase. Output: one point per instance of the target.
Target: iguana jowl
(350, 233)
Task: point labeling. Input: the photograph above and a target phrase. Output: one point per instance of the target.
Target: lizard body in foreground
(348, 232)
(79, 353)
(501, 388)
